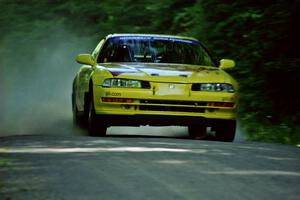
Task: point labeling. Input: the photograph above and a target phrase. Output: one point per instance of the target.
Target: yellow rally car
(142, 79)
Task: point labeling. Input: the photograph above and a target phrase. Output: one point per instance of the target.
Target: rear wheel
(225, 130)
(197, 132)
(95, 126)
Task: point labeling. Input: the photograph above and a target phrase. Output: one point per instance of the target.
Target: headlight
(213, 87)
(125, 83)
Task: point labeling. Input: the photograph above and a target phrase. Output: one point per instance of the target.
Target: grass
(270, 133)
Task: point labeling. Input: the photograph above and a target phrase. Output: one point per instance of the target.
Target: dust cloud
(36, 83)
(159, 131)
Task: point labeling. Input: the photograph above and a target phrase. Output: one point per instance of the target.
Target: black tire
(197, 132)
(77, 117)
(225, 130)
(95, 126)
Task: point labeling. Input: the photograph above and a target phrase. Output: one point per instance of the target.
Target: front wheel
(95, 126)
(225, 130)
(78, 119)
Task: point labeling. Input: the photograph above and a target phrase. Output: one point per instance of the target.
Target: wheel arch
(74, 93)
(88, 95)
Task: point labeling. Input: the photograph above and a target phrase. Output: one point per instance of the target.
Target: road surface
(140, 166)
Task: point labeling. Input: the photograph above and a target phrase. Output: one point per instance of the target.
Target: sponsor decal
(114, 94)
(118, 71)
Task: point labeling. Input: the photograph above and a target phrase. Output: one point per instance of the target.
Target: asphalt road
(140, 166)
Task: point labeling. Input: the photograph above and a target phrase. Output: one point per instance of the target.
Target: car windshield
(154, 50)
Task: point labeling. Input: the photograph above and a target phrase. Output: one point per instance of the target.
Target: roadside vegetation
(262, 36)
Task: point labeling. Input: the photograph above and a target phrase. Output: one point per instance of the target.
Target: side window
(97, 49)
(106, 53)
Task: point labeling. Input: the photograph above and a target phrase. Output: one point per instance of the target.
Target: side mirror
(226, 64)
(85, 59)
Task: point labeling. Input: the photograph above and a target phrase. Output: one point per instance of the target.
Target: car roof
(150, 35)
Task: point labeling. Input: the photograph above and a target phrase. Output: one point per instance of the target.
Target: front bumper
(173, 107)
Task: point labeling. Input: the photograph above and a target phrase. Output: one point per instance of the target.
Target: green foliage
(264, 40)
(268, 132)
(262, 36)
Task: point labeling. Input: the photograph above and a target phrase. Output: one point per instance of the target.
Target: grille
(184, 103)
(175, 106)
(171, 108)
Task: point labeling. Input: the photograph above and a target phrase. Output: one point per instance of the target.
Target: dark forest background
(40, 38)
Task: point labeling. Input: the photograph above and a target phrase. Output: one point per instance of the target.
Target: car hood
(158, 72)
